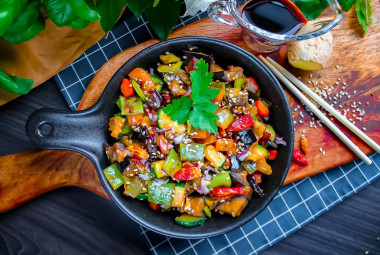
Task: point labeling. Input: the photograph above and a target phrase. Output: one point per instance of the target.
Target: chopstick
(315, 110)
(326, 106)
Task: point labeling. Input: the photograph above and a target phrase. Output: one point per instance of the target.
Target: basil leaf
(138, 7)
(15, 84)
(26, 26)
(311, 9)
(346, 4)
(79, 23)
(34, 29)
(109, 11)
(6, 18)
(163, 17)
(82, 10)
(27, 16)
(60, 12)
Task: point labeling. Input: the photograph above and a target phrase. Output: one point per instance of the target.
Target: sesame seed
(364, 129)
(337, 66)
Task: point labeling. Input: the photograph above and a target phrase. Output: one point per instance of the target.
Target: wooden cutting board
(24, 176)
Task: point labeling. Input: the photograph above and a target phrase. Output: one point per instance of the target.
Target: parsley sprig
(198, 110)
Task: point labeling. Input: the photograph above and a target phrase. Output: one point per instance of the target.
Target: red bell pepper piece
(272, 154)
(187, 173)
(297, 156)
(257, 176)
(154, 207)
(223, 133)
(255, 87)
(264, 139)
(166, 99)
(262, 109)
(246, 189)
(241, 124)
(126, 88)
(227, 191)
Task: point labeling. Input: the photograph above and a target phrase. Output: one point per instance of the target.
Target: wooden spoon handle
(24, 176)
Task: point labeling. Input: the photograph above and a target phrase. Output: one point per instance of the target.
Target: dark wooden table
(75, 221)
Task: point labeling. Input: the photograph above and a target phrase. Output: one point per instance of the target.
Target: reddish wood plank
(359, 60)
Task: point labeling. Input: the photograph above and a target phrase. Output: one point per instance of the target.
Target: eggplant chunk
(220, 76)
(247, 137)
(189, 55)
(235, 163)
(233, 206)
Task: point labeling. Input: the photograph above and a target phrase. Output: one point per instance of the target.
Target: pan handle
(83, 131)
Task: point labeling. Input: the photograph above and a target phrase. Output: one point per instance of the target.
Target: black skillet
(86, 131)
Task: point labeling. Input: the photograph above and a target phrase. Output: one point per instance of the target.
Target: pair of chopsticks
(291, 82)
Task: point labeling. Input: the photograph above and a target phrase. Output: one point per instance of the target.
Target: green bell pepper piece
(192, 152)
(161, 194)
(134, 186)
(172, 163)
(156, 79)
(250, 166)
(221, 179)
(207, 211)
(138, 90)
(142, 196)
(169, 69)
(239, 83)
(220, 85)
(114, 176)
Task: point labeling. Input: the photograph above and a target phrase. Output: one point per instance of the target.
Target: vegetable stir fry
(191, 136)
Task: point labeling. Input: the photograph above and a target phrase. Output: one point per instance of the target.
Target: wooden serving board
(24, 176)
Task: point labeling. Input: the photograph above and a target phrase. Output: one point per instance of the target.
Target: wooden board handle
(26, 175)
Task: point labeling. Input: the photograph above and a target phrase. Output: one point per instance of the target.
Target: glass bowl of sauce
(268, 24)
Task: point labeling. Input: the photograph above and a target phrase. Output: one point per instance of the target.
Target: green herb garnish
(198, 110)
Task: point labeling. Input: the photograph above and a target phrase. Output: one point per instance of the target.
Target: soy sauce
(276, 16)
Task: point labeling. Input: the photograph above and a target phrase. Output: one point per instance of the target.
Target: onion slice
(280, 140)
(164, 130)
(243, 155)
(212, 169)
(179, 139)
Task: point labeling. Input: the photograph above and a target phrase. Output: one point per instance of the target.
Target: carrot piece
(143, 78)
(218, 99)
(224, 144)
(198, 133)
(209, 140)
(154, 207)
(126, 88)
(134, 119)
(262, 109)
(163, 144)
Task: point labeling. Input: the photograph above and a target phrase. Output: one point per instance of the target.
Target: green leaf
(30, 13)
(179, 110)
(15, 84)
(201, 80)
(364, 12)
(26, 26)
(311, 9)
(208, 107)
(79, 23)
(60, 12)
(6, 18)
(203, 120)
(34, 29)
(109, 11)
(163, 17)
(346, 4)
(138, 7)
(82, 10)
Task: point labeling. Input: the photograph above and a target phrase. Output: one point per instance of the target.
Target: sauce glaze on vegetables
(177, 167)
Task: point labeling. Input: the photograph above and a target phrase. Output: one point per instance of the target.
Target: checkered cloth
(295, 205)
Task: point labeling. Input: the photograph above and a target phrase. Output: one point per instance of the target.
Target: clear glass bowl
(229, 12)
